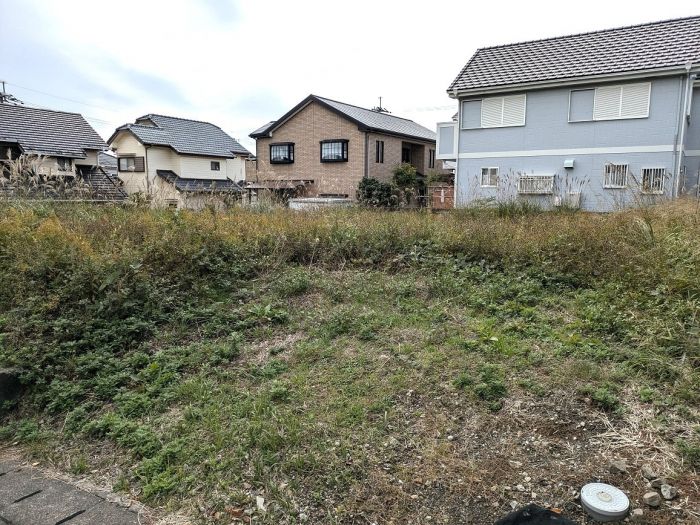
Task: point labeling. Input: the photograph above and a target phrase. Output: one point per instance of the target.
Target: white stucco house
(178, 162)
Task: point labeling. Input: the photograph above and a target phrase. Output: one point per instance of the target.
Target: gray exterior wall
(691, 160)
(548, 139)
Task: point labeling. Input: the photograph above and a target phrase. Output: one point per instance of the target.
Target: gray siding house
(599, 120)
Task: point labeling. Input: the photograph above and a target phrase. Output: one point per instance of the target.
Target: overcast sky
(242, 63)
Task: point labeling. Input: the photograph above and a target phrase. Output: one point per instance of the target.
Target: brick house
(323, 148)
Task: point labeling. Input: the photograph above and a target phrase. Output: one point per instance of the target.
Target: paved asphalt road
(29, 498)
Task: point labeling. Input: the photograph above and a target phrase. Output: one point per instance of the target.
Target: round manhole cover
(604, 502)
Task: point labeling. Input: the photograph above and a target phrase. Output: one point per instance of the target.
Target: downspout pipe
(366, 169)
(681, 134)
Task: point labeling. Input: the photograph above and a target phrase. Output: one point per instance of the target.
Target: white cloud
(240, 64)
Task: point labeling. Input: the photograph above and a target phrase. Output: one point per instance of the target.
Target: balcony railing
(536, 184)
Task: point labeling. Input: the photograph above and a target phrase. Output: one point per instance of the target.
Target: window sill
(281, 162)
(614, 187)
(324, 161)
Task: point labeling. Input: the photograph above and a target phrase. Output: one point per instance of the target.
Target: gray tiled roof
(48, 132)
(263, 129)
(188, 137)
(657, 45)
(199, 185)
(366, 119)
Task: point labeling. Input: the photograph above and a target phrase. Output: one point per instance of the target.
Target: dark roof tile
(365, 118)
(48, 132)
(657, 45)
(199, 185)
(188, 137)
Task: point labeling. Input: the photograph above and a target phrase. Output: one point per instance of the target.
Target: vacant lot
(356, 367)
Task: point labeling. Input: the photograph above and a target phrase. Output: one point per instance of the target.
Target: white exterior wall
(235, 168)
(192, 167)
(164, 158)
(126, 144)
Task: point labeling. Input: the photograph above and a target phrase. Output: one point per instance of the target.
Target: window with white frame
(622, 101)
(500, 112)
(615, 175)
(653, 180)
(489, 177)
(536, 184)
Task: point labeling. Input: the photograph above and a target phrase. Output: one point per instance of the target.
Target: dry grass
(340, 363)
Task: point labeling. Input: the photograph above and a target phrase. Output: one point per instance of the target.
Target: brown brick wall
(306, 130)
(392, 155)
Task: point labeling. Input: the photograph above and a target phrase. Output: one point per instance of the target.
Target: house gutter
(591, 79)
(366, 174)
(148, 180)
(680, 135)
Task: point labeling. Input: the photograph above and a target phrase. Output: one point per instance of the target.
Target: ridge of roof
(637, 48)
(49, 131)
(365, 109)
(149, 115)
(36, 108)
(584, 33)
(365, 119)
(185, 136)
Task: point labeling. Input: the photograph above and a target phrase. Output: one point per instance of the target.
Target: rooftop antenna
(380, 109)
(7, 98)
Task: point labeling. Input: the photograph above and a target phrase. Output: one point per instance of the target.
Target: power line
(86, 117)
(62, 98)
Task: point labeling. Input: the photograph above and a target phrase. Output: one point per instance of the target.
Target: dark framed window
(131, 164)
(406, 155)
(431, 158)
(215, 165)
(334, 150)
(282, 153)
(64, 163)
(379, 155)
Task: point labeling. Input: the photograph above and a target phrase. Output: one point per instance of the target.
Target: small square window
(131, 164)
(489, 177)
(64, 163)
(215, 165)
(615, 175)
(653, 180)
(282, 153)
(334, 151)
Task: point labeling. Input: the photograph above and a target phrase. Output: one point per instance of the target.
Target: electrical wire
(59, 97)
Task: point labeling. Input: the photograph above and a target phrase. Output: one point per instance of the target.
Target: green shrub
(405, 176)
(376, 194)
(605, 397)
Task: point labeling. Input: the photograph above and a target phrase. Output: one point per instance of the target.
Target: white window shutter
(492, 112)
(514, 110)
(635, 100)
(607, 102)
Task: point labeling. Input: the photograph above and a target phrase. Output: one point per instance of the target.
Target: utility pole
(7, 98)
